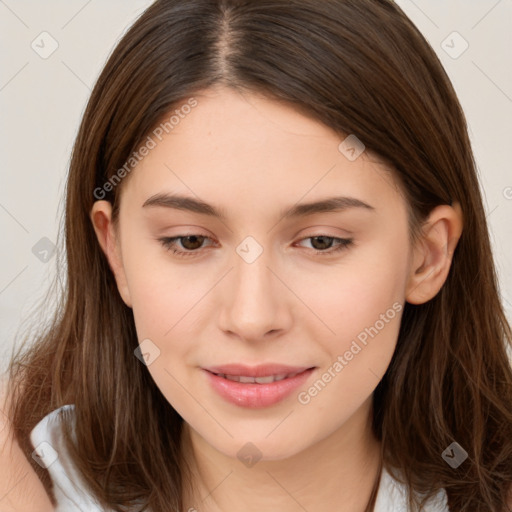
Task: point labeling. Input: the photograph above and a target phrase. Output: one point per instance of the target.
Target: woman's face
(258, 286)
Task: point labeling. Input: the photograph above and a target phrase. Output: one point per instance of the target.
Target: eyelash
(169, 243)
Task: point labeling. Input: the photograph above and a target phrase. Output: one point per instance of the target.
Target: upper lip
(264, 370)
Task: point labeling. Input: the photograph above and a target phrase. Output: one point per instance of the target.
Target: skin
(20, 488)
(252, 157)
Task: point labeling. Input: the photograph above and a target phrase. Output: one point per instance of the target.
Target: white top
(72, 495)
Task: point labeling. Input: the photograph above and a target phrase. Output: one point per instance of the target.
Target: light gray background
(42, 99)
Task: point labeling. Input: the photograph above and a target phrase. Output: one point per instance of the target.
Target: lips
(266, 370)
(244, 379)
(256, 387)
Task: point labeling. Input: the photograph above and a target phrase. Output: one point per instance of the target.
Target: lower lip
(256, 396)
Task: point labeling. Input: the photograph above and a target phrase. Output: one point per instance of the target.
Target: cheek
(353, 293)
(163, 302)
(360, 302)
(166, 303)
(164, 293)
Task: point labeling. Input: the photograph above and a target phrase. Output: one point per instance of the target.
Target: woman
(280, 289)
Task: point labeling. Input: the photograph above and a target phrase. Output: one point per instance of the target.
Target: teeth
(265, 380)
(258, 380)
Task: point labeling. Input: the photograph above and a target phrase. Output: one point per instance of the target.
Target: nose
(255, 303)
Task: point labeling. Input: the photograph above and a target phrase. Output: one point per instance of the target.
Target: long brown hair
(360, 67)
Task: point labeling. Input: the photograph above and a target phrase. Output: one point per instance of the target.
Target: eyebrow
(329, 204)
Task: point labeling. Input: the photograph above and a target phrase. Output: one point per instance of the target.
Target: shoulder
(20, 488)
(392, 496)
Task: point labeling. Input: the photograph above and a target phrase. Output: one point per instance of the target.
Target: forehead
(247, 150)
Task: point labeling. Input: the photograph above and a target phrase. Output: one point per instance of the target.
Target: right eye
(189, 244)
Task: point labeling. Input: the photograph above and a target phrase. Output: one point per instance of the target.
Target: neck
(337, 473)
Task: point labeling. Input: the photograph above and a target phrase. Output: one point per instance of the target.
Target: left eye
(191, 244)
(326, 242)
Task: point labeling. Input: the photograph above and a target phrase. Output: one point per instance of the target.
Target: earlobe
(432, 255)
(101, 218)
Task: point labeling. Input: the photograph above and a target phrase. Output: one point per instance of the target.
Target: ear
(432, 254)
(101, 217)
